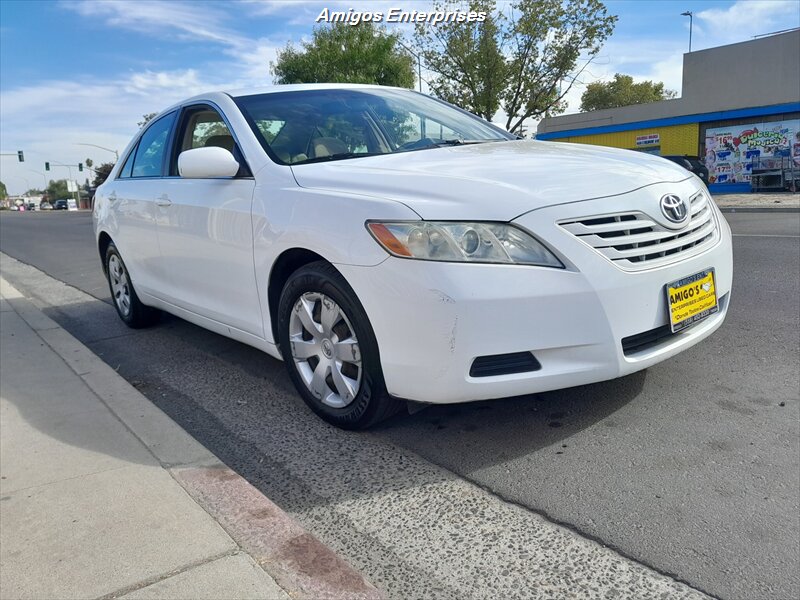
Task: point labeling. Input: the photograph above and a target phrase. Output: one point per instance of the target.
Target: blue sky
(84, 71)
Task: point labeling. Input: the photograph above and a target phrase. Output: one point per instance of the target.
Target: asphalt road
(691, 467)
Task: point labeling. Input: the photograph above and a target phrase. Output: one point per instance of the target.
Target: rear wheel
(129, 308)
(330, 349)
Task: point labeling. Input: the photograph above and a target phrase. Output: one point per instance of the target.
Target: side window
(149, 159)
(127, 168)
(204, 127)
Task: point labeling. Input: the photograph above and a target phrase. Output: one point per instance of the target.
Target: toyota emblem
(674, 208)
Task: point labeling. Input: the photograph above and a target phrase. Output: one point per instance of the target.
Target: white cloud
(743, 19)
(49, 118)
(150, 82)
(192, 21)
(661, 59)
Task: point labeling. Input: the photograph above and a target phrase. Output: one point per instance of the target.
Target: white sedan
(389, 246)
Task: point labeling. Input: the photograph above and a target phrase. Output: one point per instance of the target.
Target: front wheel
(129, 308)
(330, 349)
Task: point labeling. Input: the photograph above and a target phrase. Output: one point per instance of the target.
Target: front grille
(633, 241)
(504, 364)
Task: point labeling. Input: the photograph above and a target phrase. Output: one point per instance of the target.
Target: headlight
(462, 242)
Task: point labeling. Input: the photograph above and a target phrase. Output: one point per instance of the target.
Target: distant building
(739, 112)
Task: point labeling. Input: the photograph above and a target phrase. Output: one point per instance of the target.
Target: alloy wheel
(120, 287)
(325, 349)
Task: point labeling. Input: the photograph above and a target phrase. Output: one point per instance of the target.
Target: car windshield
(321, 125)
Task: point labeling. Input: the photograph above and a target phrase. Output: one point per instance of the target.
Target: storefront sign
(731, 152)
(651, 139)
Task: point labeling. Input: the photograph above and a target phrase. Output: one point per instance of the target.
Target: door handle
(163, 200)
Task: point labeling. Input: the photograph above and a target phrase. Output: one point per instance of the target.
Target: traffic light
(80, 166)
(20, 156)
(47, 166)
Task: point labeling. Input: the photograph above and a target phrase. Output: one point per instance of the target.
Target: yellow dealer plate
(691, 299)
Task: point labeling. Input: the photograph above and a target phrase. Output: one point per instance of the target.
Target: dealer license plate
(691, 299)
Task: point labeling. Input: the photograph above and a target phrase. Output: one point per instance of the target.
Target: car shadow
(241, 405)
(473, 436)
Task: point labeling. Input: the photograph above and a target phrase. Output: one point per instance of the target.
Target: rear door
(205, 230)
(132, 198)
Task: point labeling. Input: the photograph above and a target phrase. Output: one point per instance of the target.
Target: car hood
(496, 181)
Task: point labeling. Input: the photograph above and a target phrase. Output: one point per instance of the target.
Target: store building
(739, 112)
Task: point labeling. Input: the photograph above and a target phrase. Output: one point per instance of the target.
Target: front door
(205, 231)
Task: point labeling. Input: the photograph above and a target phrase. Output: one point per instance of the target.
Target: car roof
(302, 87)
(274, 89)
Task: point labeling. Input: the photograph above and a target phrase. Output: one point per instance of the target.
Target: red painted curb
(298, 561)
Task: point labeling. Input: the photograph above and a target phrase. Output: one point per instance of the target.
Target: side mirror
(207, 163)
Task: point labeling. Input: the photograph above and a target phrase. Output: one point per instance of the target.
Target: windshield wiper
(338, 156)
(459, 142)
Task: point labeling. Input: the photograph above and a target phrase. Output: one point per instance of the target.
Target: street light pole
(116, 154)
(44, 177)
(689, 14)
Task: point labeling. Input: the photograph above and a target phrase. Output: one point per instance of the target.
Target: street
(689, 468)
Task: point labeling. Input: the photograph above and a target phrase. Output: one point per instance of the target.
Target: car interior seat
(327, 146)
(221, 141)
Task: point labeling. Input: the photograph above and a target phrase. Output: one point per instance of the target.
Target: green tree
(622, 91)
(57, 189)
(344, 53)
(101, 173)
(467, 58)
(146, 118)
(524, 60)
(3, 191)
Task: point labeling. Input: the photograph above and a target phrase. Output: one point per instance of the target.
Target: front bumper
(433, 319)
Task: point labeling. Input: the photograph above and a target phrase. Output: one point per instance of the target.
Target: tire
(123, 295)
(330, 349)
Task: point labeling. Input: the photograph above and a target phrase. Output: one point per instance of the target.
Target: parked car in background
(60, 205)
(32, 206)
(389, 246)
(691, 164)
(45, 206)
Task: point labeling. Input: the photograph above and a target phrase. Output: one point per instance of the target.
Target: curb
(303, 566)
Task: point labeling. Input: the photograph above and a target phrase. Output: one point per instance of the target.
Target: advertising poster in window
(732, 152)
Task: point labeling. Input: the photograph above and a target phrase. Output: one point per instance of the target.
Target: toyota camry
(388, 246)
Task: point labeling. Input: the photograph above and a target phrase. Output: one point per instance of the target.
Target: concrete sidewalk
(103, 495)
(778, 201)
